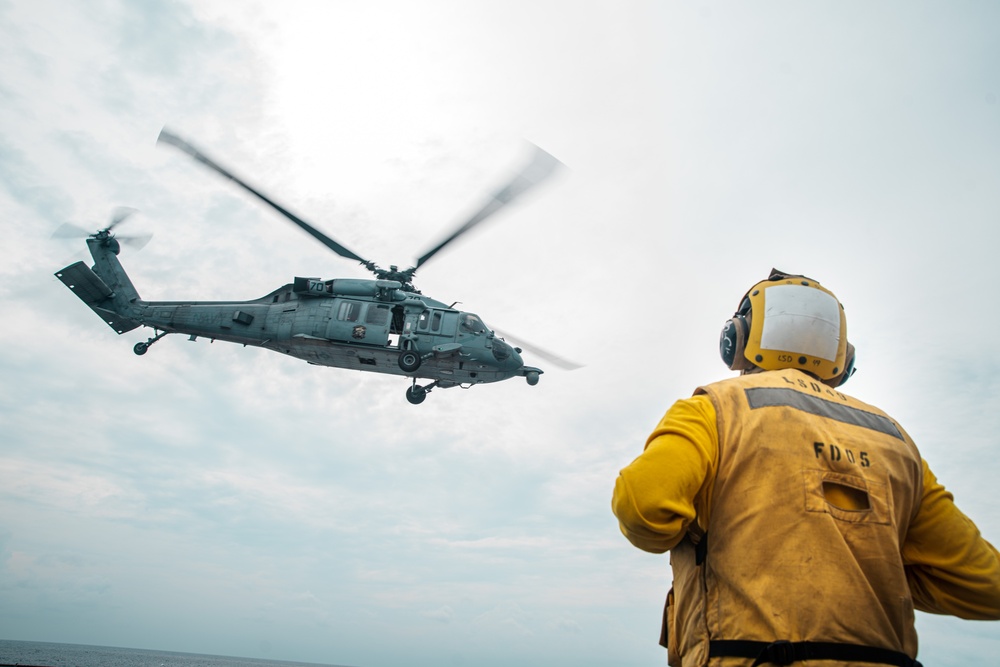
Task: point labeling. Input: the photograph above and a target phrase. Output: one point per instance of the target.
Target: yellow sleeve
(658, 495)
(951, 569)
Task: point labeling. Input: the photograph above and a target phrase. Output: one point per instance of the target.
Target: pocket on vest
(846, 497)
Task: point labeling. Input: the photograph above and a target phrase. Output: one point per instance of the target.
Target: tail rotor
(121, 214)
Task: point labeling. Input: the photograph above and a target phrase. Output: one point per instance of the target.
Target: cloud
(443, 614)
(568, 625)
(313, 510)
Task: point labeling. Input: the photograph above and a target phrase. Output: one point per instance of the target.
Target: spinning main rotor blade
(550, 357)
(542, 166)
(174, 140)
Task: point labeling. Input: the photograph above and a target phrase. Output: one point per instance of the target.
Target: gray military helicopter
(383, 326)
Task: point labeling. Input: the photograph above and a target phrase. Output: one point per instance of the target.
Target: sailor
(803, 524)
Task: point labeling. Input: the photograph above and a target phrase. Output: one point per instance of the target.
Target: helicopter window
(472, 323)
(379, 316)
(429, 321)
(349, 311)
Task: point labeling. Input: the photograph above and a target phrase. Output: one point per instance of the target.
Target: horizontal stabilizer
(87, 285)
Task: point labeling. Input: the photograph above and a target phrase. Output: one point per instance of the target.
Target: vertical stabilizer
(106, 265)
(106, 288)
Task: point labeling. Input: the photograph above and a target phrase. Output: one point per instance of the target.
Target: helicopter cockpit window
(473, 324)
(349, 311)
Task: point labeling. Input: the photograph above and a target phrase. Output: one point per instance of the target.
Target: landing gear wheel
(141, 348)
(409, 361)
(416, 395)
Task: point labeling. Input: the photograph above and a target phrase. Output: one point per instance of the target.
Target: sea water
(44, 654)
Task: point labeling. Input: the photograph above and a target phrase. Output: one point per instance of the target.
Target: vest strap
(784, 652)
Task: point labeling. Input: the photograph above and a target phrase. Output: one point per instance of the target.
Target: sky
(211, 498)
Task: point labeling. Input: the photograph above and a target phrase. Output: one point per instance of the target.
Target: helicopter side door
(355, 321)
(428, 327)
(436, 322)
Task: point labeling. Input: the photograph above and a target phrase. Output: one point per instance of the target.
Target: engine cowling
(383, 290)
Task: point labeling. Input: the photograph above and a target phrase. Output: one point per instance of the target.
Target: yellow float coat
(822, 521)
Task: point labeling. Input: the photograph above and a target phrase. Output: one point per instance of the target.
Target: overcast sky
(211, 498)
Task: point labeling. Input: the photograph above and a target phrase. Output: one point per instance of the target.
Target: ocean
(44, 654)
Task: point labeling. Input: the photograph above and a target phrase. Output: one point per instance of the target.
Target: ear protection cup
(733, 339)
(839, 380)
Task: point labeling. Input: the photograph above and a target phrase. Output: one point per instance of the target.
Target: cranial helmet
(789, 321)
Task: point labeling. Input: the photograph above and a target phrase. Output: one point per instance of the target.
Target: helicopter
(380, 325)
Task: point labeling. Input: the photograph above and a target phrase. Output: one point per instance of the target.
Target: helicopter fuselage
(363, 329)
(356, 324)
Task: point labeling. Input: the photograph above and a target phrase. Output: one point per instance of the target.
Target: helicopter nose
(508, 357)
(516, 362)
